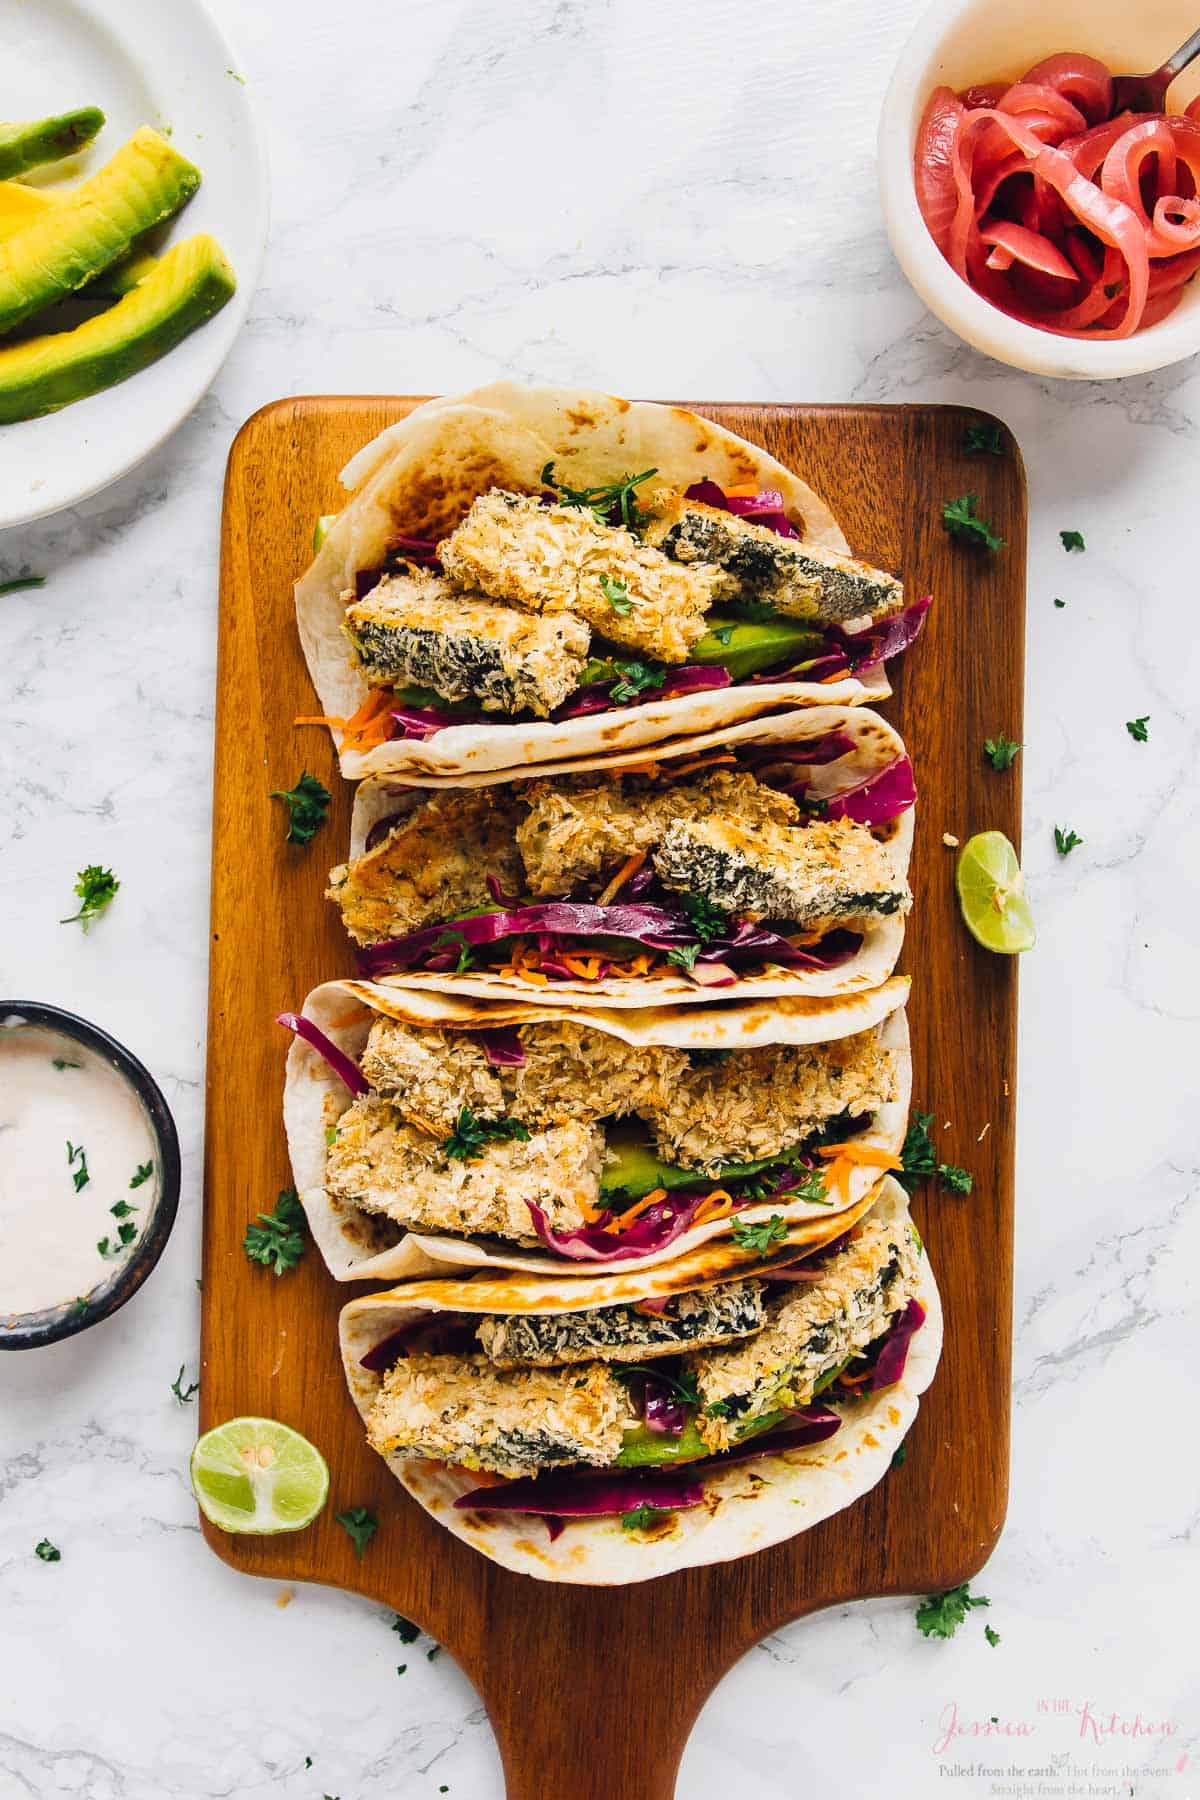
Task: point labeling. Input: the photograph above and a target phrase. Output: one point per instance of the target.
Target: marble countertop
(662, 199)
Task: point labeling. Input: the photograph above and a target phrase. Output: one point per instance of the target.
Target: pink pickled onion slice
(934, 172)
(1028, 247)
(343, 1066)
(1080, 79)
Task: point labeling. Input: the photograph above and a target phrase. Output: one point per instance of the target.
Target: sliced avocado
(632, 1169)
(321, 530)
(745, 648)
(21, 206)
(93, 226)
(642, 1448)
(187, 286)
(33, 141)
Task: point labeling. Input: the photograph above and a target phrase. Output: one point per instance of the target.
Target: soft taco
(770, 861)
(615, 1429)
(529, 575)
(429, 1131)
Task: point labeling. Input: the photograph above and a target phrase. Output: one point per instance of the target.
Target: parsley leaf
(95, 888)
(811, 1187)
(1072, 540)
(708, 921)
(109, 1248)
(918, 1157)
(126, 1231)
(22, 581)
(641, 1517)
(684, 956)
(955, 1180)
(61, 1062)
(77, 1154)
(122, 1209)
(1000, 751)
(614, 497)
(409, 1633)
(617, 595)
(636, 678)
(434, 1652)
(899, 1455)
(142, 1173)
(1137, 728)
(276, 1239)
(470, 1134)
(1059, 603)
(359, 1525)
(961, 521)
(977, 438)
(993, 1637)
(47, 1552)
(723, 633)
(307, 804)
(942, 1614)
(454, 940)
(1065, 841)
(760, 1237)
(184, 1394)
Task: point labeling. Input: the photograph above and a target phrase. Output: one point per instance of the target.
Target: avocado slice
(745, 648)
(33, 141)
(21, 206)
(632, 1169)
(186, 287)
(642, 1448)
(321, 530)
(93, 226)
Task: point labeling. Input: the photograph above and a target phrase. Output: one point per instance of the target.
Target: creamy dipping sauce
(79, 1175)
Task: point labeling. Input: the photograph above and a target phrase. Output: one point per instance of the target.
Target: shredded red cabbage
(888, 637)
(831, 746)
(893, 1353)
(433, 1334)
(882, 796)
(657, 1227)
(343, 1066)
(568, 1494)
(813, 668)
(415, 549)
(765, 508)
(693, 678)
(421, 722)
(503, 1049)
(662, 1409)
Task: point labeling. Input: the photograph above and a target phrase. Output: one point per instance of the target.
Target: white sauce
(50, 1230)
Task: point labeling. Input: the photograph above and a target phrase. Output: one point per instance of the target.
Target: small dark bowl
(63, 1321)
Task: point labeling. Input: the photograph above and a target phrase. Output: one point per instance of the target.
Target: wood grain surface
(564, 1671)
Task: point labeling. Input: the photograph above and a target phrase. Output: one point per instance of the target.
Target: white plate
(144, 62)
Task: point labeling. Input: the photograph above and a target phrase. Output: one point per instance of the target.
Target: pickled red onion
(1059, 214)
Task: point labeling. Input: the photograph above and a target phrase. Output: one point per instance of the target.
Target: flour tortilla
(747, 1507)
(418, 479)
(877, 743)
(357, 1245)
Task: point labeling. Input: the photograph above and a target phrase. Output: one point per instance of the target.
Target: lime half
(991, 893)
(259, 1476)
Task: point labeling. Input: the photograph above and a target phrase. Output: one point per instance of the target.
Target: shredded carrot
(852, 1381)
(745, 490)
(716, 1206)
(586, 967)
(369, 726)
(621, 1221)
(628, 868)
(867, 1156)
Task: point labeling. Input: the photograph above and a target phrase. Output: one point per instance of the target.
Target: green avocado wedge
(632, 1169)
(93, 226)
(746, 649)
(183, 289)
(642, 1448)
(30, 142)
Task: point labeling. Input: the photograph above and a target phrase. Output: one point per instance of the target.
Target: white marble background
(670, 199)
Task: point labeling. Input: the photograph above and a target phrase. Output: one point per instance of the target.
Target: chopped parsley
(409, 1633)
(980, 438)
(760, 1237)
(95, 888)
(723, 633)
(47, 1552)
(708, 921)
(110, 1248)
(962, 521)
(617, 594)
(641, 1517)
(684, 956)
(184, 1394)
(470, 1134)
(77, 1154)
(1059, 603)
(899, 1455)
(1065, 840)
(1000, 751)
(636, 678)
(401, 1668)
(122, 1209)
(18, 582)
(603, 501)
(454, 940)
(359, 1525)
(919, 1160)
(993, 1637)
(307, 804)
(955, 1180)
(61, 1062)
(1137, 728)
(942, 1614)
(811, 1187)
(1072, 540)
(276, 1239)
(142, 1173)
(436, 1651)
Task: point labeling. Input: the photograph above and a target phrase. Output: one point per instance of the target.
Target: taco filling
(548, 1401)
(573, 601)
(715, 870)
(562, 1135)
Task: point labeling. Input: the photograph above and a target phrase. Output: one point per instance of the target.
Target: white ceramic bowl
(959, 42)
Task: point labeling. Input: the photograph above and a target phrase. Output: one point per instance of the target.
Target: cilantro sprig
(919, 1160)
(760, 1237)
(1072, 540)
(307, 804)
(1001, 751)
(641, 1517)
(617, 594)
(1066, 840)
(95, 888)
(962, 521)
(276, 1239)
(470, 1134)
(1138, 728)
(636, 678)
(47, 1552)
(980, 438)
(183, 1393)
(17, 582)
(940, 1615)
(605, 500)
(359, 1525)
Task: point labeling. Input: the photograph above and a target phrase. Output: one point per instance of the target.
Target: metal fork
(1147, 93)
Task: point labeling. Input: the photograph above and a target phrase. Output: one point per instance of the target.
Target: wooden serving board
(540, 1655)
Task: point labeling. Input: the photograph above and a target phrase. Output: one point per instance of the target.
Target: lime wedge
(991, 893)
(258, 1476)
